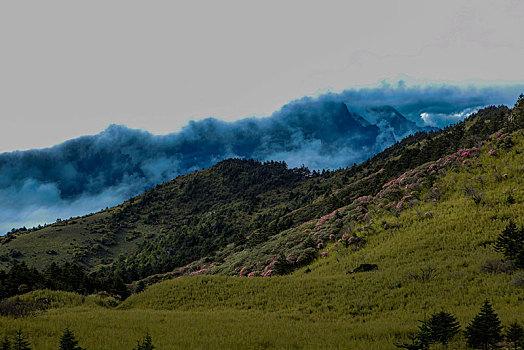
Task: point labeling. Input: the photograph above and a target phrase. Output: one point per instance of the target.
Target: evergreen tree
(146, 344)
(5, 344)
(515, 335)
(20, 342)
(511, 244)
(484, 332)
(441, 328)
(68, 341)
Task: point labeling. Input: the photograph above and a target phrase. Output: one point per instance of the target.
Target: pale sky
(70, 68)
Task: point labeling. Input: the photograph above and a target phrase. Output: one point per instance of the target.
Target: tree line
(69, 277)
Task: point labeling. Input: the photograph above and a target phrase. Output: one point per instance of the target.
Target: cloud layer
(331, 131)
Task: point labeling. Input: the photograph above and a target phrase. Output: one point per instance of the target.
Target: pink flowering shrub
(267, 273)
(326, 218)
(243, 271)
(199, 272)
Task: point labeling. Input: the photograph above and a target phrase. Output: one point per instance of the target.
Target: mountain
(93, 172)
(240, 203)
(351, 258)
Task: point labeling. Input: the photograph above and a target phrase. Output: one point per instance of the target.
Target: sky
(72, 68)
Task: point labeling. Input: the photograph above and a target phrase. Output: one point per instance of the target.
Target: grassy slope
(327, 308)
(75, 239)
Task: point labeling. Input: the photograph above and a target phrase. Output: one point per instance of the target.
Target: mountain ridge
(234, 204)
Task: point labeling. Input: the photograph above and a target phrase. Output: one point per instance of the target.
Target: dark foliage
(69, 277)
(365, 268)
(68, 341)
(511, 244)
(145, 344)
(440, 328)
(515, 335)
(20, 342)
(5, 344)
(484, 332)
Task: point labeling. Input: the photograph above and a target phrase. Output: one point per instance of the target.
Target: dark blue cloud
(330, 131)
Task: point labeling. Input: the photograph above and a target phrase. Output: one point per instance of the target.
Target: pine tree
(484, 332)
(5, 344)
(68, 341)
(511, 243)
(441, 328)
(515, 335)
(20, 342)
(146, 344)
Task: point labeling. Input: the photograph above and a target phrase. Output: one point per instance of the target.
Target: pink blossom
(399, 205)
(492, 152)
(324, 254)
(272, 262)
(198, 272)
(267, 273)
(391, 204)
(243, 271)
(406, 197)
(345, 235)
(253, 273)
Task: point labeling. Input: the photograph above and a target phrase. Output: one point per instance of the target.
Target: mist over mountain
(331, 131)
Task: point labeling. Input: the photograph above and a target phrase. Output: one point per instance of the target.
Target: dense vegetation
(369, 251)
(21, 279)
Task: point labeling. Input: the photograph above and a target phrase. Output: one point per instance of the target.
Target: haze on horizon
(70, 69)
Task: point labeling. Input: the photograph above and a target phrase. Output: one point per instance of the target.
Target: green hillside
(423, 216)
(430, 257)
(209, 216)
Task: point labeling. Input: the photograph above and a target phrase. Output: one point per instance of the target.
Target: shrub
(518, 280)
(497, 266)
(145, 344)
(365, 268)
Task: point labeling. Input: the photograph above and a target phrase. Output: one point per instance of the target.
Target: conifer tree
(20, 342)
(441, 328)
(68, 341)
(5, 344)
(484, 332)
(511, 244)
(515, 335)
